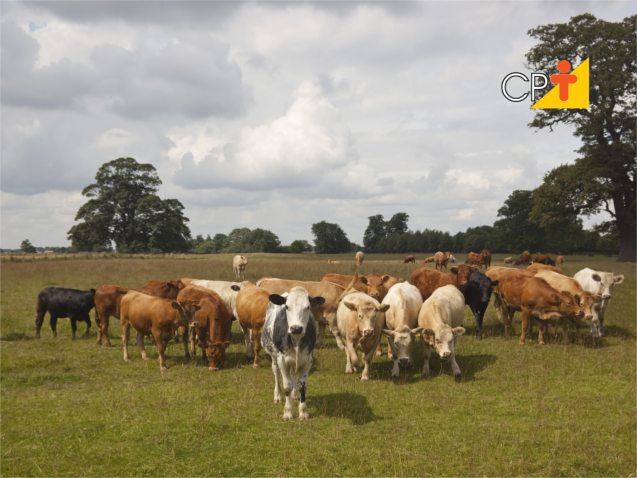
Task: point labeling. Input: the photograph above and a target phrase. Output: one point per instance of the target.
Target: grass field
(77, 409)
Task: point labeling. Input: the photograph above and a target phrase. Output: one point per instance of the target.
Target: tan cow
(440, 259)
(525, 258)
(213, 324)
(154, 316)
(537, 267)
(160, 288)
(507, 260)
(360, 257)
(325, 313)
(409, 259)
(330, 261)
(441, 317)
(429, 259)
(239, 264)
(252, 302)
(473, 259)
(343, 281)
(360, 320)
(560, 260)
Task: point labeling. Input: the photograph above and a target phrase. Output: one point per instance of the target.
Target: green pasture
(72, 408)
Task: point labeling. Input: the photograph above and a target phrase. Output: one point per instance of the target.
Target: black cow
(60, 302)
(477, 295)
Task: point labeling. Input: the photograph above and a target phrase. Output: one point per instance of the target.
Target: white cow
(601, 283)
(239, 263)
(227, 291)
(289, 336)
(401, 321)
(441, 318)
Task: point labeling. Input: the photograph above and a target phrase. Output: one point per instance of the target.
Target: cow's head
(442, 339)
(297, 309)
(367, 314)
(377, 286)
(187, 310)
(569, 305)
(464, 273)
(402, 339)
(216, 353)
(587, 300)
(606, 282)
(483, 285)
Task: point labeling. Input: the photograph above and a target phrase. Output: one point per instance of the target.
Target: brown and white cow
(213, 325)
(360, 257)
(360, 320)
(427, 280)
(252, 302)
(508, 260)
(441, 317)
(525, 258)
(560, 260)
(154, 316)
(409, 259)
(324, 313)
(440, 260)
(599, 283)
(239, 264)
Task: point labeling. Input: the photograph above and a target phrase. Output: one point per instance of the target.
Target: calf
(325, 313)
(360, 321)
(252, 302)
(428, 280)
(477, 295)
(289, 336)
(409, 259)
(239, 264)
(508, 260)
(560, 260)
(401, 322)
(213, 323)
(598, 283)
(154, 316)
(441, 317)
(62, 303)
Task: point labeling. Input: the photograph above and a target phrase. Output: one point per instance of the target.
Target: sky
(275, 115)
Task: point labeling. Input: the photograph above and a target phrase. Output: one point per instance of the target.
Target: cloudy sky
(275, 115)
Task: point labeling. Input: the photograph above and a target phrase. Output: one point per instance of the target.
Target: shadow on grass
(350, 406)
(15, 337)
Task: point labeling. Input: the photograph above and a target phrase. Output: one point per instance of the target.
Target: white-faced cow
(289, 336)
(600, 283)
(239, 263)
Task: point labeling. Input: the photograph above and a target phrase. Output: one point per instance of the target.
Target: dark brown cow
(409, 259)
(525, 258)
(485, 258)
(536, 267)
(213, 323)
(473, 259)
(542, 259)
(427, 280)
(534, 297)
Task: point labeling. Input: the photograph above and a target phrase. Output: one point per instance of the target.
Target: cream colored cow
(239, 263)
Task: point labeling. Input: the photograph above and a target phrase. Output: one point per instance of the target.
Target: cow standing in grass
(239, 264)
(599, 283)
(61, 303)
(289, 336)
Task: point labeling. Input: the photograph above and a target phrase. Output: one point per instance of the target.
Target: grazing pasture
(73, 408)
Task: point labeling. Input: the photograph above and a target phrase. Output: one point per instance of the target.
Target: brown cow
(154, 316)
(343, 281)
(485, 258)
(159, 288)
(252, 302)
(508, 260)
(537, 267)
(441, 259)
(560, 260)
(213, 322)
(473, 259)
(409, 259)
(429, 259)
(542, 259)
(534, 297)
(427, 280)
(360, 257)
(525, 258)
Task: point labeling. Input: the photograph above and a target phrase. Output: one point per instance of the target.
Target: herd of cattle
(288, 318)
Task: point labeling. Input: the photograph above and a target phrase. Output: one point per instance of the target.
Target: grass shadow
(15, 337)
(346, 405)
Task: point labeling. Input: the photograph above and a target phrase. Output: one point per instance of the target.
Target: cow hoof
(287, 416)
(255, 365)
(364, 379)
(213, 369)
(277, 400)
(126, 360)
(304, 416)
(457, 376)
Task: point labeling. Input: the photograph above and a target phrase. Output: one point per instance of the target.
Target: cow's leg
(352, 358)
(256, 340)
(277, 385)
(565, 339)
(125, 337)
(525, 325)
(161, 348)
(321, 334)
(391, 353)
(247, 336)
(73, 325)
(497, 305)
(140, 344)
(578, 331)
(303, 375)
(53, 322)
(594, 330)
(543, 328)
(331, 321)
(287, 386)
(103, 329)
(295, 388)
(87, 319)
(379, 349)
(426, 353)
(507, 316)
(39, 320)
(478, 317)
(452, 359)
(367, 359)
(185, 334)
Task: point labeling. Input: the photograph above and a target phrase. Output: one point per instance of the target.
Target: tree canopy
(124, 209)
(329, 238)
(27, 247)
(603, 177)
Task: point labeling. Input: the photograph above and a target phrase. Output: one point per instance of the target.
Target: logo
(570, 90)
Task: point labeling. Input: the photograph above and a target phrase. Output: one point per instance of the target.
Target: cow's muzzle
(606, 296)
(296, 329)
(193, 324)
(368, 333)
(404, 362)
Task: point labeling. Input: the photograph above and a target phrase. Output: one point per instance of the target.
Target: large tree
(603, 177)
(375, 232)
(329, 238)
(123, 208)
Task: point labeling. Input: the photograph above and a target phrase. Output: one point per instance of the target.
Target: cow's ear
(363, 279)
(474, 269)
(180, 284)
(416, 331)
(93, 290)
(388, 333)
(316, 301)
(578, 300)
(196, 307)
(556, 298)
(458, 331)
(494, 283)
(618, 279)
(454, 270)
(176, 305)
(277, 299)
(235, 288)
(428, 336)
(596, 277)
(382, 308)
(349, 305)
(385, 278)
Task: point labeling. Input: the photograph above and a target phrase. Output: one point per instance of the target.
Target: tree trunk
(627, 233)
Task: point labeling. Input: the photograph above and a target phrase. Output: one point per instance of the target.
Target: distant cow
(213, 325)
(360, 257)
(427, 280)
(485, 258)
(289, 336)
(330, 261)
(401, 323)
(560, 260)
(440, 259)
(477, 295)
(252, 302)
(599, 283)
(239, 264)
(409, 259)
(360, 321)
(525, 258)
(537, 267)
(473, 259)
(542, 259)
(62, 303)
(429, 259)
(154, 316)
(508, 260)
(441, 317)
